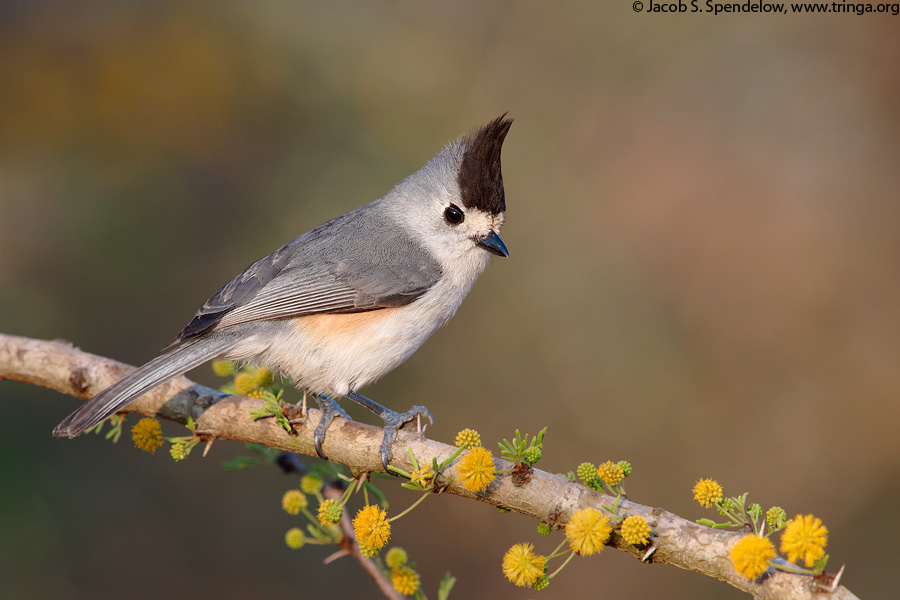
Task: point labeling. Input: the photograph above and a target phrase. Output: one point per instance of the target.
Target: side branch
(547, 497)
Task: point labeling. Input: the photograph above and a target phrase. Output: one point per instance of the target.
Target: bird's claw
(330, 409)
(394, 422)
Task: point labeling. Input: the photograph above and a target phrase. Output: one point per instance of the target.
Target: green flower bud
(396, 557)
(178, 451)
(541, 583)
(311, 483)
(295, 538)
(532, 455)
(586, 471)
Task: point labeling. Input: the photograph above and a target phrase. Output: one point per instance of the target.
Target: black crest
(480, 180)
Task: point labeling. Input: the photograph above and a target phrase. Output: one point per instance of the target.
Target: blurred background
(703, 225)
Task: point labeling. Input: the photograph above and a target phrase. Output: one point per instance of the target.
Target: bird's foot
(330, 409)
(393, 422)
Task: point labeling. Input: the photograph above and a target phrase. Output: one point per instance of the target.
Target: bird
(350, 300)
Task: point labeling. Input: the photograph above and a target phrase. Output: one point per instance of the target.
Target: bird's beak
(493, 244)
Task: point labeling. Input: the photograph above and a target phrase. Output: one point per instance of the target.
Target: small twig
(350, 547)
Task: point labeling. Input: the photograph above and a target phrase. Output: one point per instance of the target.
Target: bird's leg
(393, 422)
(330, 410)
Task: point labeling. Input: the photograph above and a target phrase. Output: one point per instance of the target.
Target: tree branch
(553, 499)
(350, 546)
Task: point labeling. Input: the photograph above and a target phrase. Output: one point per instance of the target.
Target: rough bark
(547, 497)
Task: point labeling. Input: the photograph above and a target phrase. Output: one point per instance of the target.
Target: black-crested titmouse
(349, 301)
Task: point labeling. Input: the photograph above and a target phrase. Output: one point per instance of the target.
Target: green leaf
(116, 432)
(264, 456)
(399, 472)
(755, 512)
(707, 522)
(445, 586)
(269, 454)
(412, 459)
(241, 462)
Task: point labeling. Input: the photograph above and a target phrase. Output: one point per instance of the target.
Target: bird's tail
(176, 361)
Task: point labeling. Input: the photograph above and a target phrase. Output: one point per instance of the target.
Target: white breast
(337, 353)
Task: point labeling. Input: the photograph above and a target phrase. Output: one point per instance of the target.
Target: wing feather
(331, 269)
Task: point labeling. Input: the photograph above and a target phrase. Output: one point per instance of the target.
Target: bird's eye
(453, 215)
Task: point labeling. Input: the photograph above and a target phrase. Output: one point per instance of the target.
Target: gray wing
(354, 263)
